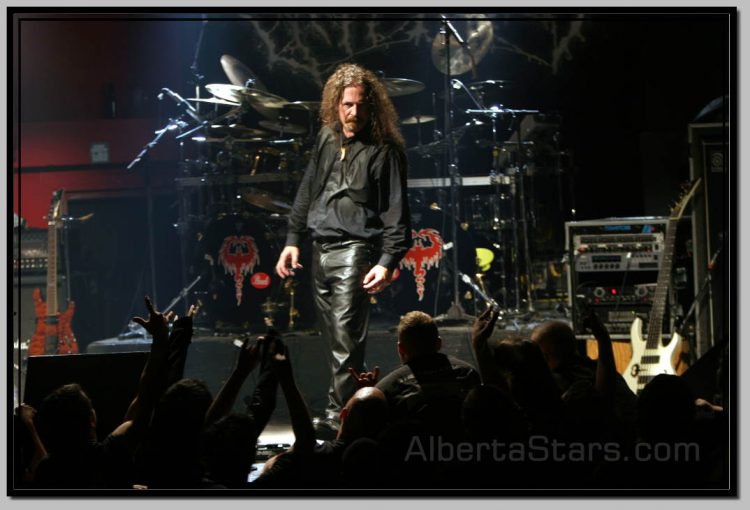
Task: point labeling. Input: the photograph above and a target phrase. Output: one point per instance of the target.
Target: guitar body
(53, 334)
(648, 362)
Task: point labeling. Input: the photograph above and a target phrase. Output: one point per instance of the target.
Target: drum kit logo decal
(425, 253)
(239, 256)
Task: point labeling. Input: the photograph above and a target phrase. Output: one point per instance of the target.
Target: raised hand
(157, 324)
(365, 379)
(249, 355)
(591, 321)
(483, 328)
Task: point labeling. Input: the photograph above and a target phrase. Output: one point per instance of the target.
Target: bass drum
(236, 255)
(424, 278)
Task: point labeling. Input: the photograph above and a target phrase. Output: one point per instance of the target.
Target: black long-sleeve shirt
(360, 196)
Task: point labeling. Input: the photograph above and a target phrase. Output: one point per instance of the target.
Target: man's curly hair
(383, 116)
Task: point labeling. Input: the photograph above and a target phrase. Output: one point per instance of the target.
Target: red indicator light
(614, 292)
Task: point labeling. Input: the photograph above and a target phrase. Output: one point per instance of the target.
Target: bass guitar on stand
(650, 357)
(54, 332)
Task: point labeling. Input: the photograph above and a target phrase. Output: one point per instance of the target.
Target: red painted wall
(69, 72)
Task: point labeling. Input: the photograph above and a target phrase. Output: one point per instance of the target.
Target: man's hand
(592, 322)
(249, 355)
(483, 328)
(365, 379)
(288, 261)
(26, 413)
(377, 279)
(157, 324)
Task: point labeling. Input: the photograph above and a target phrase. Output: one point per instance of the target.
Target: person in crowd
(67, 423)
(311, 464)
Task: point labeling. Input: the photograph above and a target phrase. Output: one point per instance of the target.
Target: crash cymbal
(306, 105)
(227, 92)
(401, 86)
(262, 98)
(283, 127)
(266, 200)
(478, 35)
(214, 100)
(239, 131)
(417, 119)
(483, 86)
(237, 72)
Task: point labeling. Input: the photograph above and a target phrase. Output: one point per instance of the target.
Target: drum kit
(239, 178)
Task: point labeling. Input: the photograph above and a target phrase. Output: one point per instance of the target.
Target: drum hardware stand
(456, 311)
(289, 286)
(198, 78)
(517, 189)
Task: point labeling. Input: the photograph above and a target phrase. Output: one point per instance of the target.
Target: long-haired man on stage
(353, 201)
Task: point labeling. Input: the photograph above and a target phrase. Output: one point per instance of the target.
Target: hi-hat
(306, 105)
(227, 92)
(229, 140)
(478, 39)
(417, 119)
(283, 127)
(401, 86)
(263, 98)
(266, 200)
(239, 131)
(213, 100)
(482, 86)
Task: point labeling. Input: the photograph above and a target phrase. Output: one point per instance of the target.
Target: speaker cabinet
(709, 160)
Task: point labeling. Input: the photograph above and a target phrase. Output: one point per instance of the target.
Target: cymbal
(214, 100)
(417, 119)
(239, 74)
(482, 86)
(306, 105)
(227, 92)
(283, 127)
(401, 86)
(238, 130)
(478, 39)
(263, 98)
(229, 140)
(266, 200)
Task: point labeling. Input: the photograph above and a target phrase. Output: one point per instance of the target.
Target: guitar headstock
(55, 207)
(688, 190)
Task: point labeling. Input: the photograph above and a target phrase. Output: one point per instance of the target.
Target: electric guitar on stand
(53, 333)
(651, 357)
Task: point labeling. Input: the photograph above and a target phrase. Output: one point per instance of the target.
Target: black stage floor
(211, 357)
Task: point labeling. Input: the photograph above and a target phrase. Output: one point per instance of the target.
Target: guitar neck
(656, 318)
(52, 269)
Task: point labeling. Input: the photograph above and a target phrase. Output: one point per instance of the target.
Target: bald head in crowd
(364, 415)
(556, 341)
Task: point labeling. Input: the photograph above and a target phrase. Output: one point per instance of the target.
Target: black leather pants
(343, 311)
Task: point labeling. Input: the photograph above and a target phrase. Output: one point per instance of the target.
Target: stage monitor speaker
(708, 159)
(110, 381)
